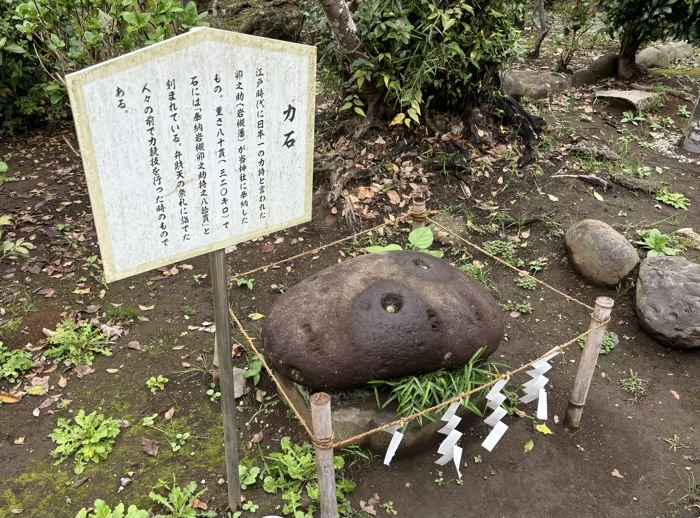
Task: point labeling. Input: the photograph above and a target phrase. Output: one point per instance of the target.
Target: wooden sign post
(192, 145)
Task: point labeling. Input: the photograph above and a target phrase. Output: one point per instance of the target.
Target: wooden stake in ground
(219, 283)
(418, 212)
(323, 430)
(589, 358)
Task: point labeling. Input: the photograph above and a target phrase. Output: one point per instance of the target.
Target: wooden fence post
(323, 430)
(589, 358)
(219, 281)
(418, 212)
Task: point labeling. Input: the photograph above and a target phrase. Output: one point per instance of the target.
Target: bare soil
(169, 313)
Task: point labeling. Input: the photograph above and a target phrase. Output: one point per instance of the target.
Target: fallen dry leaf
(62, 382)
(198, 504)
(46, 292)
(83, 370)
(18, 441)
(169, 414)
(268, 248)
(124, 424)
(17, 510)
(675, 394)
(134, 345)
(149, 446)
(112, 371)
(616, 473)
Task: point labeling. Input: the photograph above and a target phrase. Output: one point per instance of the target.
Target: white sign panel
(193, 144)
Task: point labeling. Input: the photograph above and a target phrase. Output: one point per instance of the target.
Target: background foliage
(46, 39)
(419, 52)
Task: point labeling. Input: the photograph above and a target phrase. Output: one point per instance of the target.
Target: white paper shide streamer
(448, 449)
(494, 401)
(535, 388)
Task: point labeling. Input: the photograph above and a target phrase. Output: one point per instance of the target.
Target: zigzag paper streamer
(535, 388)
(494, 401)
(393, 445)
(448, 447)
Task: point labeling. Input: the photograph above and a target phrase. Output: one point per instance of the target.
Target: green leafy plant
(156, 383)
(634, 385)
(526, 282)
(420, 240)
(3, 173)
(416, 393)
(247, 282)
(503, 249)
(176, 438)
(607, 345)
(102, 510)
(179, 501)
(88, 437)
(674, 199)
(632, 118)
(521, 307)
(578, 18)
(214, 395)
(683, 111)
(292, 472)
(253, 371)
(248, 476)
(14, 364)
(655, 242)
(10, 249)
(77, 343)
(674, 442)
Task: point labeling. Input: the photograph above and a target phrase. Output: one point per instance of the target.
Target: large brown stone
(379, 316)
(599, 253)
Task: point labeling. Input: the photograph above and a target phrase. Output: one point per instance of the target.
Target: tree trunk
(626, 64)
(543, 30)
(343, 27)
(691, 141)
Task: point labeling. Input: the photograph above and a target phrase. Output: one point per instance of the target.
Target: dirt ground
(628, 459)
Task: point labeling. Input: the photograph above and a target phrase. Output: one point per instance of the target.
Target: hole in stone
(420, 263)
(392, 302)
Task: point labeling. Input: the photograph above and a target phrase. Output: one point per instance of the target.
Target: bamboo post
(219, 282)
(418, 212)
(323, 430)
(589, 358)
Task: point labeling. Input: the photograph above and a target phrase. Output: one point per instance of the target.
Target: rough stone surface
(583, 78)
(663, 55)
(599, 253)
(379, 316)
(535, 84)
(668, 300)
(692, 237)
(653, 57)
(629, 98)
(691, 139)
(605, 66)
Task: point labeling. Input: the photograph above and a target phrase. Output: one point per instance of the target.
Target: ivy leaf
(528, 446)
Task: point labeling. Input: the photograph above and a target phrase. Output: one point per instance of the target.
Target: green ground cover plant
(87, 437)
(77, 343)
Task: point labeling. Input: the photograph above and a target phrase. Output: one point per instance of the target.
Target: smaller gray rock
(670, 51)
(599, 253)
(240, 384)
(535, 84)
(691, 139)
(636, 99)
(692, 237)
(684, 50)
(605, 66)
(667, 300)
(653, 57)
(583, 78)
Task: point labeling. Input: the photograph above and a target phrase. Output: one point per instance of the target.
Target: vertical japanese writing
(198, 128)
(242, 151)
(221, 154)
(156, 177)
(178, 166)
(120, 100)
(260, 123)
(289, 115)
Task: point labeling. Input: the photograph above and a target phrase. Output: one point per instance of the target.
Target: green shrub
(77, 343)
(43, 40)
(423, 51)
